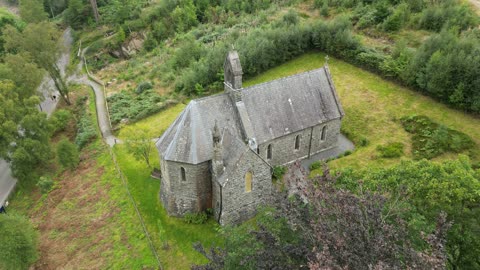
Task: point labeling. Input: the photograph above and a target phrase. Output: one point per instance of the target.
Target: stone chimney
(232, 70)
(217, 160)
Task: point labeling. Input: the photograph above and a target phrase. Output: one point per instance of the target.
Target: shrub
(18, 242)
(391, 150)
(143, 86)
(60, 119)
(67, 154)
(291, 17)
(364, 142)
(45, 183)
(278, 172)
(195, 218)
(316, 165)
(431, 139)
(86, 131)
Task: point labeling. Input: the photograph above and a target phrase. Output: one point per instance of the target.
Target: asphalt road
(7, 182)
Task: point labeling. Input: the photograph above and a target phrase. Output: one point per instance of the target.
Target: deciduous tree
(41, 41)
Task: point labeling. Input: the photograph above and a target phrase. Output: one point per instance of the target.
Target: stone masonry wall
(239, 205)
(192, 195)
(283, 148)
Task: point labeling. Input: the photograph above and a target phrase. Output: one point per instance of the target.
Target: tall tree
(32, 11)
(41, 41)
(24, 131)
(20, 69)
(96, 15)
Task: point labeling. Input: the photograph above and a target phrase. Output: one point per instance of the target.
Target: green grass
(173, 238)
(157, 123)
(373, 107)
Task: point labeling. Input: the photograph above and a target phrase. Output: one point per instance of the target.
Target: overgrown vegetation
(322, 227)
(423, 189)
(86, 131)
(132, 107)
(278, 172)
(391, 150)
(430, 139)
(18, 242)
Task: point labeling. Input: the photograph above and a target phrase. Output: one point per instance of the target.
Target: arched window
(269, 151)
(183, 174)
(248, 181)
(297, 142)
(324, 133)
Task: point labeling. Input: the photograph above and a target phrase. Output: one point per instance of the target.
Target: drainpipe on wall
(220, 206)
(310, 145)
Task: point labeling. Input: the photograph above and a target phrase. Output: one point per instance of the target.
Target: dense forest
(423, 213)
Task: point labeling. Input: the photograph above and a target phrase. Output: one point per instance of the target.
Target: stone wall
(283, 148)
(239, 205)
(180, 196)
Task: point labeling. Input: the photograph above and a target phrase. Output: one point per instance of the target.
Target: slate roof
(291, 104)
(189, 138)
(273, 109)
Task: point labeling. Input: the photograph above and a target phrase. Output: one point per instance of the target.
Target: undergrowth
(430, 139)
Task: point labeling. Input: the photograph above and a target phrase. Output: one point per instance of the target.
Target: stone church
(220, 151)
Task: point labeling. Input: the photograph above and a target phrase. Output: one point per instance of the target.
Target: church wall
(331, 138)
(192, 194)
(239, 205)
(283, 148)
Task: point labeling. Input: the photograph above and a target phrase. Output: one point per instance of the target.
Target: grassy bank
(172, 237)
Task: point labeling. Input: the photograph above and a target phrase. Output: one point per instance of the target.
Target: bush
(143, 86)
(316, 165)
(195, 218)
(278, 172)
(128, 105)
(86, 131)
(18, 242)
(391, 150)
(67, 154)
(364, 142)
(291, 17)
(431, 139)
(45, 183)
(59, 120)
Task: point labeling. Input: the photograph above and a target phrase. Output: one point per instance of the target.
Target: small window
(297, 142)
(183, 174)
(248, 181)
(258, 150)
(324, 133)
(269, 151)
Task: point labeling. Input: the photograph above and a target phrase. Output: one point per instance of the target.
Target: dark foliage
(133, 107)
(431, 139)
(337, 229)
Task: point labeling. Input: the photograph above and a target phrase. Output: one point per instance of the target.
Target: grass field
(373, 107)
(157, 123)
